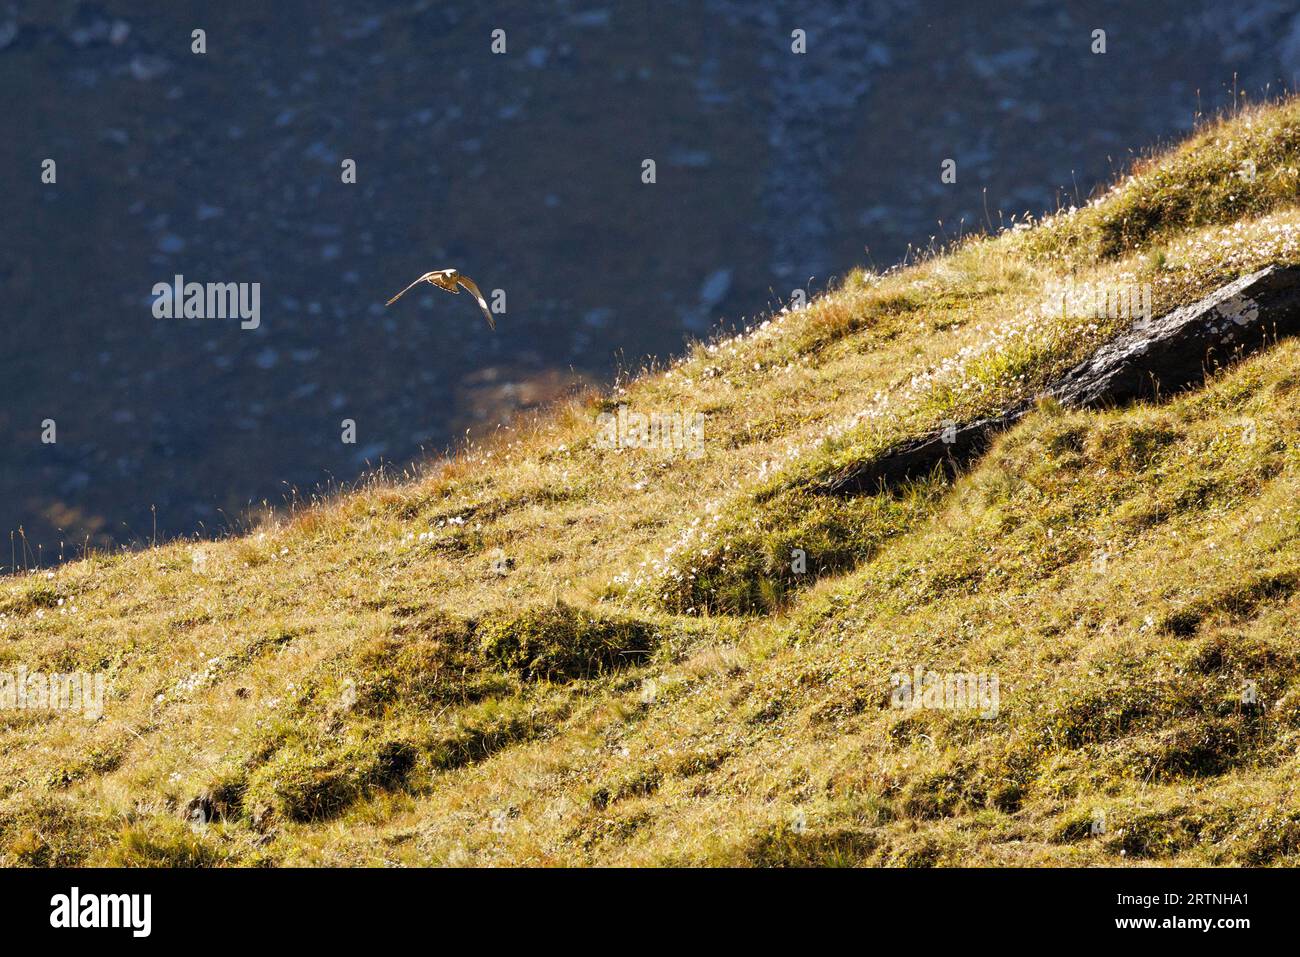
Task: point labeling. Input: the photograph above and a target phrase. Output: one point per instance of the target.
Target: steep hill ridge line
(1165, 353)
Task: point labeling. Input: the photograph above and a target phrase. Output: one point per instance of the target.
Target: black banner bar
(335, 906)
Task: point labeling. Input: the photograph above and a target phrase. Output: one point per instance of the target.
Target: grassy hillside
(551, 652)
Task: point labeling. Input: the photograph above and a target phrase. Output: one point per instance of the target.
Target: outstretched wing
(408, 289)
(482, 303)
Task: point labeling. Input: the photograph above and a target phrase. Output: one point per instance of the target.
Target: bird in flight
(448, 279)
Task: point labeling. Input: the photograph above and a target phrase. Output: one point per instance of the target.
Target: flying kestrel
(448, 279)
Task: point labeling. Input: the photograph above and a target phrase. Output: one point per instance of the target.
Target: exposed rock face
(916, 458)
(1171, 352)
(830, 85)
(1153, 357)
